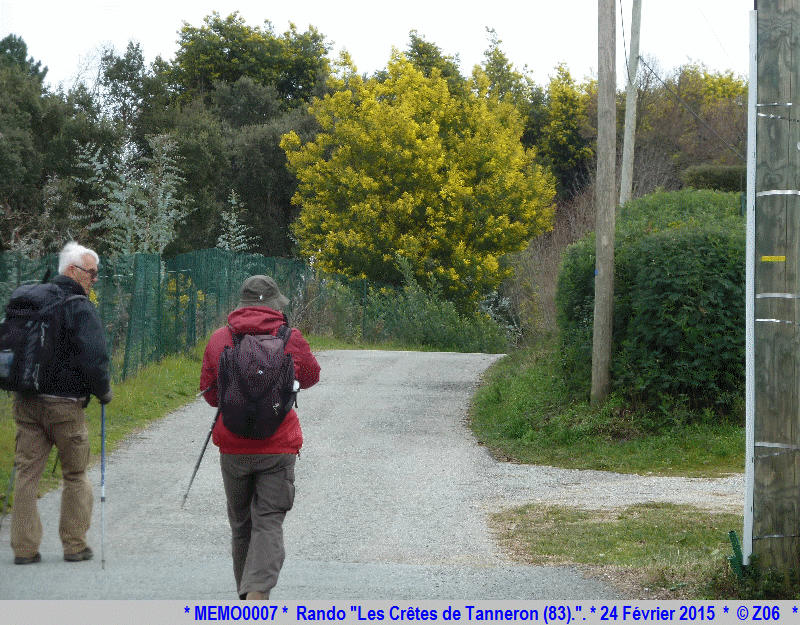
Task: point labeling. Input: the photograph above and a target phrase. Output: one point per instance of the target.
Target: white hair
(73, 254)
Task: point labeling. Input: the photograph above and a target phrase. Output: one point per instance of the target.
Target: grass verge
(648, 551)
(522, 412)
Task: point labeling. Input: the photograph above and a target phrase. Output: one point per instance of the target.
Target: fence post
(177, 306)
(160, 308)
(131, 307)
(191, 314)
(364, 312)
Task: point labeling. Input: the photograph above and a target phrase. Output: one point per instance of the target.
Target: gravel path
(393, 500)
(599, 490)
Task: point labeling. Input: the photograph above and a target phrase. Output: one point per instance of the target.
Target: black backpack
(29, 332)
(256, 383)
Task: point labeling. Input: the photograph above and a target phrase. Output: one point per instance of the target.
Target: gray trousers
(260, 491)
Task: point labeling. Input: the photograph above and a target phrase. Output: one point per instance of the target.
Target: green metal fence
(152, 307)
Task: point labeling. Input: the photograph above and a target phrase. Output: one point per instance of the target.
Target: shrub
(416, 316)
(731, 178)
(678, 324)
(351, 310)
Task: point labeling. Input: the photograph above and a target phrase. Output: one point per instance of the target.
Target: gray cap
(261, 291)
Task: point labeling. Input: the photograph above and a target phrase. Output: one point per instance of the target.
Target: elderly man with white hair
(55, 416)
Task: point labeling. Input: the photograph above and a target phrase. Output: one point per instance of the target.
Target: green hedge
(731, 178)
(678, 325)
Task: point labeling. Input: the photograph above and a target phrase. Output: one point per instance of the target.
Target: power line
(711, 28)
(689, 108)
(624, 41)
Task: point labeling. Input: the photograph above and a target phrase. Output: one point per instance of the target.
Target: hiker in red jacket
(258, 475)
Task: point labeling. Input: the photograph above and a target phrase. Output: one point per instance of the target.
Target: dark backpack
(256, 383)
(29, 333)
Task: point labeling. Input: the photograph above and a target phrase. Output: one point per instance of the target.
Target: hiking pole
(102, 486)
(203, 451)
(9, 490)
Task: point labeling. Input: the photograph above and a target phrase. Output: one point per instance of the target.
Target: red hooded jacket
(288, 439)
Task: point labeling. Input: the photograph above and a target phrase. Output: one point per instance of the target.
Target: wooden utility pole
(631, 97)
(775, 454)
(606, 199)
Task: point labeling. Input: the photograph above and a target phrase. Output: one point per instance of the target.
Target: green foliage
(691, 116)
(38, 134)
(225, 50)
(730, 178)
(525, 411)
(416, 316)
(505, 82)
(246, 102)
(403, 168)
(427, 56)
(260, 175)
(678, 339)
(235, 235)
(363, 313)
(14, 51)
(137, 201)
(564, 147)
(756, 584)
(123, 81)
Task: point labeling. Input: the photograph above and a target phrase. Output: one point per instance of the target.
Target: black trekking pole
(102, 486)
(203, 451)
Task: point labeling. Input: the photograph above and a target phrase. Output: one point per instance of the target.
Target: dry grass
(532, 290)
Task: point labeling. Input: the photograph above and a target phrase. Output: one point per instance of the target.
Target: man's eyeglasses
(91, 272)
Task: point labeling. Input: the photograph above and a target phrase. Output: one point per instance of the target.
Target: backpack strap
(284, 333)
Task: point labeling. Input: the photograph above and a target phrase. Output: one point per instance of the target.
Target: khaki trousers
(41, 423)
(260, 491)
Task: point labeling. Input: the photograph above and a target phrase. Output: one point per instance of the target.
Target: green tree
(225, 50)
(235, 235)
(246, 102)
(260, 176)
(14, 51)
(137, 204)
(427, 56)
(517, 88)
(38, 155)
(123, 81)
(692, 116)
(505, 82)
(203, 152)
(565, 147)
(20, 115)
(403, 169)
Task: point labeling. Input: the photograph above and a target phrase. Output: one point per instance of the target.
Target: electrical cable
(689, 108)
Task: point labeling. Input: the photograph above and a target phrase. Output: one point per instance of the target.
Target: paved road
(393, 495)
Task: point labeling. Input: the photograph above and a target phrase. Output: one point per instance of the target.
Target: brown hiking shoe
(257, 595)
(31, 560)
(86, 554)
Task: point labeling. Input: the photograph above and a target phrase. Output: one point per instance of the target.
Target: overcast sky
(536, 33)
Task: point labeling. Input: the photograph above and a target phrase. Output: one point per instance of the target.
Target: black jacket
(81, 363)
